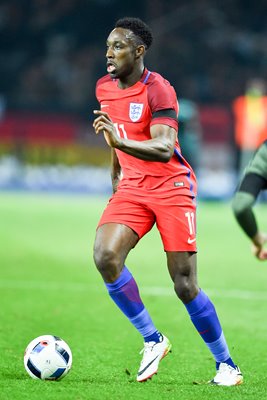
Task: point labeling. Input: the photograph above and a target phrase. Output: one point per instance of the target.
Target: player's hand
(103, 124)
(258, 246)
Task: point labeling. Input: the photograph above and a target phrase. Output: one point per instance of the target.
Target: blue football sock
(155, 337)
(124, 292)
(206, 321)
(228, 361)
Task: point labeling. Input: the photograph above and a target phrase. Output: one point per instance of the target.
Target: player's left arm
(159, 148)
(242, 205)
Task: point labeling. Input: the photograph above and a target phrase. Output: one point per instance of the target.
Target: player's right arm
(115, 170)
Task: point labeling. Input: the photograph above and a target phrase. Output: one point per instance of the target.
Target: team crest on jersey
(135, 111)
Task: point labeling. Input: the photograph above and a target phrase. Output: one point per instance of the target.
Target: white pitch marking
(145, 290)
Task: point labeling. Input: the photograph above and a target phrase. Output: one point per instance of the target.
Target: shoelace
(225, 367)
(148, 346)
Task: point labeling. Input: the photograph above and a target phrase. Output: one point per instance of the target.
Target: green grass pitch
(49, 285)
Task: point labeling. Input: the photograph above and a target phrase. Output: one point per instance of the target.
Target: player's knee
(185, 289)
(105, 260)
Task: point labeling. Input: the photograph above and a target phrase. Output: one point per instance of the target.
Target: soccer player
(153, 185)
(252, 183)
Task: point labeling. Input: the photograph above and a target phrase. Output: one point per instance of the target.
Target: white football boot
(152, 354)
(227, 376)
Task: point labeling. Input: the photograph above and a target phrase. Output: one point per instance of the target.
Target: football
(47, 357)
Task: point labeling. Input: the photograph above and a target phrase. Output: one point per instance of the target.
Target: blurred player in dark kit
(153, 184)
(253, 182)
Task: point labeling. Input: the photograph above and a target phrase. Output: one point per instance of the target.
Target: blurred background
(53, 51)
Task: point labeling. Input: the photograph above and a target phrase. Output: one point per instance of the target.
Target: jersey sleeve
(253, 183)
(99, 85)
(163, 104)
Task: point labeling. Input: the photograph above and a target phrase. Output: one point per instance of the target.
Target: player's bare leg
(112, 245)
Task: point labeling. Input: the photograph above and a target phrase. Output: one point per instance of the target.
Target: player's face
(121, 53)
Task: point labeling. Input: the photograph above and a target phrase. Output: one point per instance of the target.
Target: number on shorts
(191, 222)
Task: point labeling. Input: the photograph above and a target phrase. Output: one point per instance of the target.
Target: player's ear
(140, 51)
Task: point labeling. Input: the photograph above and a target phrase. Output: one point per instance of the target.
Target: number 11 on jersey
(121, 132)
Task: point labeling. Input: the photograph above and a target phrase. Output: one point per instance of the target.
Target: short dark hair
(138, 27)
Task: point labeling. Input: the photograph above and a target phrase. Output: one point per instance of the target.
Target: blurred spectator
(2, 106)
(250, 113)
(49, 50)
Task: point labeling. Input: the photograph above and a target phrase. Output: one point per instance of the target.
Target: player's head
(256, 87)
(140, 30)
(126, 47)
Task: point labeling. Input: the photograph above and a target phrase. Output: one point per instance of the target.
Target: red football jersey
(133, 110)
